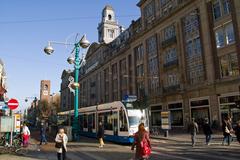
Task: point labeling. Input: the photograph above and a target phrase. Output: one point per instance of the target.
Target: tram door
(115, 124)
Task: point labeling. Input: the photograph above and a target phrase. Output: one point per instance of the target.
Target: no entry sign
(12, 104)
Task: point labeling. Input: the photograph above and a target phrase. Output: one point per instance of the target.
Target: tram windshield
(134, 120)
(135, 117)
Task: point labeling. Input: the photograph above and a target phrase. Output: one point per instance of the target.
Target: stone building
(183, 55)
(66, 96)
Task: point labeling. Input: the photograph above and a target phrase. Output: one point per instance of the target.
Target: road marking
(170, 156)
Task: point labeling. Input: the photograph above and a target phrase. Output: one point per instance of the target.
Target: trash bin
(68, 130)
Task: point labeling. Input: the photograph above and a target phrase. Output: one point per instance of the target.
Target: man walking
(207, 130)
(43, 134)
(193, 129)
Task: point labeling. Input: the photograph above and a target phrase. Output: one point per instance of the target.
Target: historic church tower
(108, 29)
(45, 90)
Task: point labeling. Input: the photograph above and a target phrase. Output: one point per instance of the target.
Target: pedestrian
(61, 144)
(100, 134)
(227, 129)
(237, 131)
(193, 129)
(25, 135)
(142, 143)
(207, 130)
(43, 139)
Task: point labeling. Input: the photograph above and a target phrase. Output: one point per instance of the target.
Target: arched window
(109, 17)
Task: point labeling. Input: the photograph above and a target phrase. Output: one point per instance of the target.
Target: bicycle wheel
(21, 151)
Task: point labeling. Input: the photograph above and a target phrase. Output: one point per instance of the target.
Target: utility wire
(59, 19)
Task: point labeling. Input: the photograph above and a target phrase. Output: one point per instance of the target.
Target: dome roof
(108, 7)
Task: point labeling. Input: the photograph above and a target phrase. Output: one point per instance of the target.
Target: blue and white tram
(120, 120)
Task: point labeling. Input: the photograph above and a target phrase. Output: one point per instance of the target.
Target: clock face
(45, 93)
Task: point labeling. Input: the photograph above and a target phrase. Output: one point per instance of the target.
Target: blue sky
(27, 25)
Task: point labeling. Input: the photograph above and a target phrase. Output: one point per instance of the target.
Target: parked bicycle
(15, 148)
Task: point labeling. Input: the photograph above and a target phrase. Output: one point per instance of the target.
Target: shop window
(156, 118)
(176, 117)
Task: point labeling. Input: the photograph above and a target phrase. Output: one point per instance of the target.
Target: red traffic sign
(13, 104)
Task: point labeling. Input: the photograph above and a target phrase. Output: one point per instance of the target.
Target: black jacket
(207, 130)
(100, 133)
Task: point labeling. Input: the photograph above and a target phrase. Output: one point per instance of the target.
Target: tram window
(122, 121)
(84, 121)
(109, 120)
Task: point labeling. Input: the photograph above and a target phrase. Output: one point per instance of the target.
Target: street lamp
(73, 59)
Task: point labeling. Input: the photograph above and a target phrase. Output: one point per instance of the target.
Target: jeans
(227, 138)
(193, 138)
(43, 139)
(208, 138)
(62, 156)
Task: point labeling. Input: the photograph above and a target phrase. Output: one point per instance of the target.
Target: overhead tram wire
(60, 19)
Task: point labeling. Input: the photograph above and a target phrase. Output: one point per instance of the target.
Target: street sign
(6, 123)
(13, 104)
(129, 98)
(17, 122)
(165, 117)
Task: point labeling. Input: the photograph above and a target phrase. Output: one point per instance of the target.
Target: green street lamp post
(83, 43)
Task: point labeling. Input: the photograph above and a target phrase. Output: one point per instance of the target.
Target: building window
(229, 65)
(220, 8)
(219, 38)
(172, 79)
(193, 49)
(176, 114)
(169, 32)
(149, 10)
(151, 45)
(139, 52)
(230, 38)
(224, 35)
(140, 70)
(111, 33)
(170, 55)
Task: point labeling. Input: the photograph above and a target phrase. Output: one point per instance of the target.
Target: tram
(120, 120)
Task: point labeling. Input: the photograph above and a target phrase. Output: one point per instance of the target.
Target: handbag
(146, 150)
(227, 130)
(58, 145)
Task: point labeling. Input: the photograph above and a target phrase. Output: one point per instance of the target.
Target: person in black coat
(207, 130)
(237, 131)
(100, 134)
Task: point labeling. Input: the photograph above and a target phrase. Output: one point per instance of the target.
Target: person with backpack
(142, 143)
(207, 130)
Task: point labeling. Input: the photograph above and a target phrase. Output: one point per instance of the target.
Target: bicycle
(15, 148)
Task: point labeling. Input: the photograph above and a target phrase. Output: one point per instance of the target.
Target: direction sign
(13, 104)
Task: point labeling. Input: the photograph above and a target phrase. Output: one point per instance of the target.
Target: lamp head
(49, 49)
(84, 43)
(71, 60)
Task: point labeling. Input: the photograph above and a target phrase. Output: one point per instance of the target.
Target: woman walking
(25, 135)
(227, 129)
(100, 134)
(142, 143)
(61, 144)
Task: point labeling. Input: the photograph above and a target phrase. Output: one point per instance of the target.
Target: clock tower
(108, 29)
(45, 90)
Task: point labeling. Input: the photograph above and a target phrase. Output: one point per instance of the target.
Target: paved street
(88, 149)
